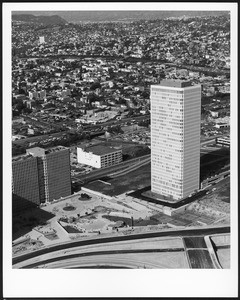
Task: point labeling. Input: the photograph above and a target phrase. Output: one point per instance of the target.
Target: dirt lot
(219, 197)
(224, 257)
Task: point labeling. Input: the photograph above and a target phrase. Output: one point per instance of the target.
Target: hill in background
(46, 20)
(101, 16)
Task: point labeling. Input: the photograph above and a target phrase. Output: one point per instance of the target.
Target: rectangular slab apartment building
(40, 176)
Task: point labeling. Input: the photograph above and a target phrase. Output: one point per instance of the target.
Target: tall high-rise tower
(175, 139)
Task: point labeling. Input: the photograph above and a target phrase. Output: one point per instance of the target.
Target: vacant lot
(219, 198)
(224, 257)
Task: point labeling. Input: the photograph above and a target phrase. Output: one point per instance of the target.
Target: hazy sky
(75, 16)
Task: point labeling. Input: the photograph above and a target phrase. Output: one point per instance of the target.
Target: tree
(92, 98)
(22, 91)
(14, 101)
(20, 106)
(115, 129)
(27, 110)
(130, 112)
(37, 103)
(15, 113)
(122, 101)
(95, 85)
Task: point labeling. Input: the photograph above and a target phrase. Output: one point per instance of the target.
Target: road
(123, 261)
(197, 253)
(114, 239)
(191, 67)
(200, 259)
(39, 121)
(131, 168)
(195, 242)
(104, 172)
(124, 166)
(92, 128)
(86, 129)
(38, 138)
(209, 141)
(106, 253)
(118, 122)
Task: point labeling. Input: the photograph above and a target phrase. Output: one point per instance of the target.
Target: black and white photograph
(120, 149)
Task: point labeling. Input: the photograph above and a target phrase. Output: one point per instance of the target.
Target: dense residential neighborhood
(69, 75)
(202, 41)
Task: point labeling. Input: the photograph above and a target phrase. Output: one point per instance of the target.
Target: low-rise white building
(222, 125)
(99, 156)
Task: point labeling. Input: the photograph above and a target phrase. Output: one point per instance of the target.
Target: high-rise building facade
(25, 185)
(175, 138)
(41, 175)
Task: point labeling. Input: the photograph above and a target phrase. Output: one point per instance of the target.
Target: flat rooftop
(175, 83)
(55, 149)
(21, 157)
(38, 151)
(101, 149)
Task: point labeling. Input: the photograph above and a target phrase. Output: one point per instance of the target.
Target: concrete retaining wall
(212, 253)
(96, 193)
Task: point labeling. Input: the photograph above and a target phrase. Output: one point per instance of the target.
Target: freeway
(204, 69)
(122, 167)
(118, 122)
(101, 253)
(99, 262)
(195, 242)
(119, 141)
(131, 168)
(132, 59)
(200, 259)
(123, 261)
(209, 141)
(86, 129)
(197, 253)
(39, 138)
(113, 239)
(39, 121)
